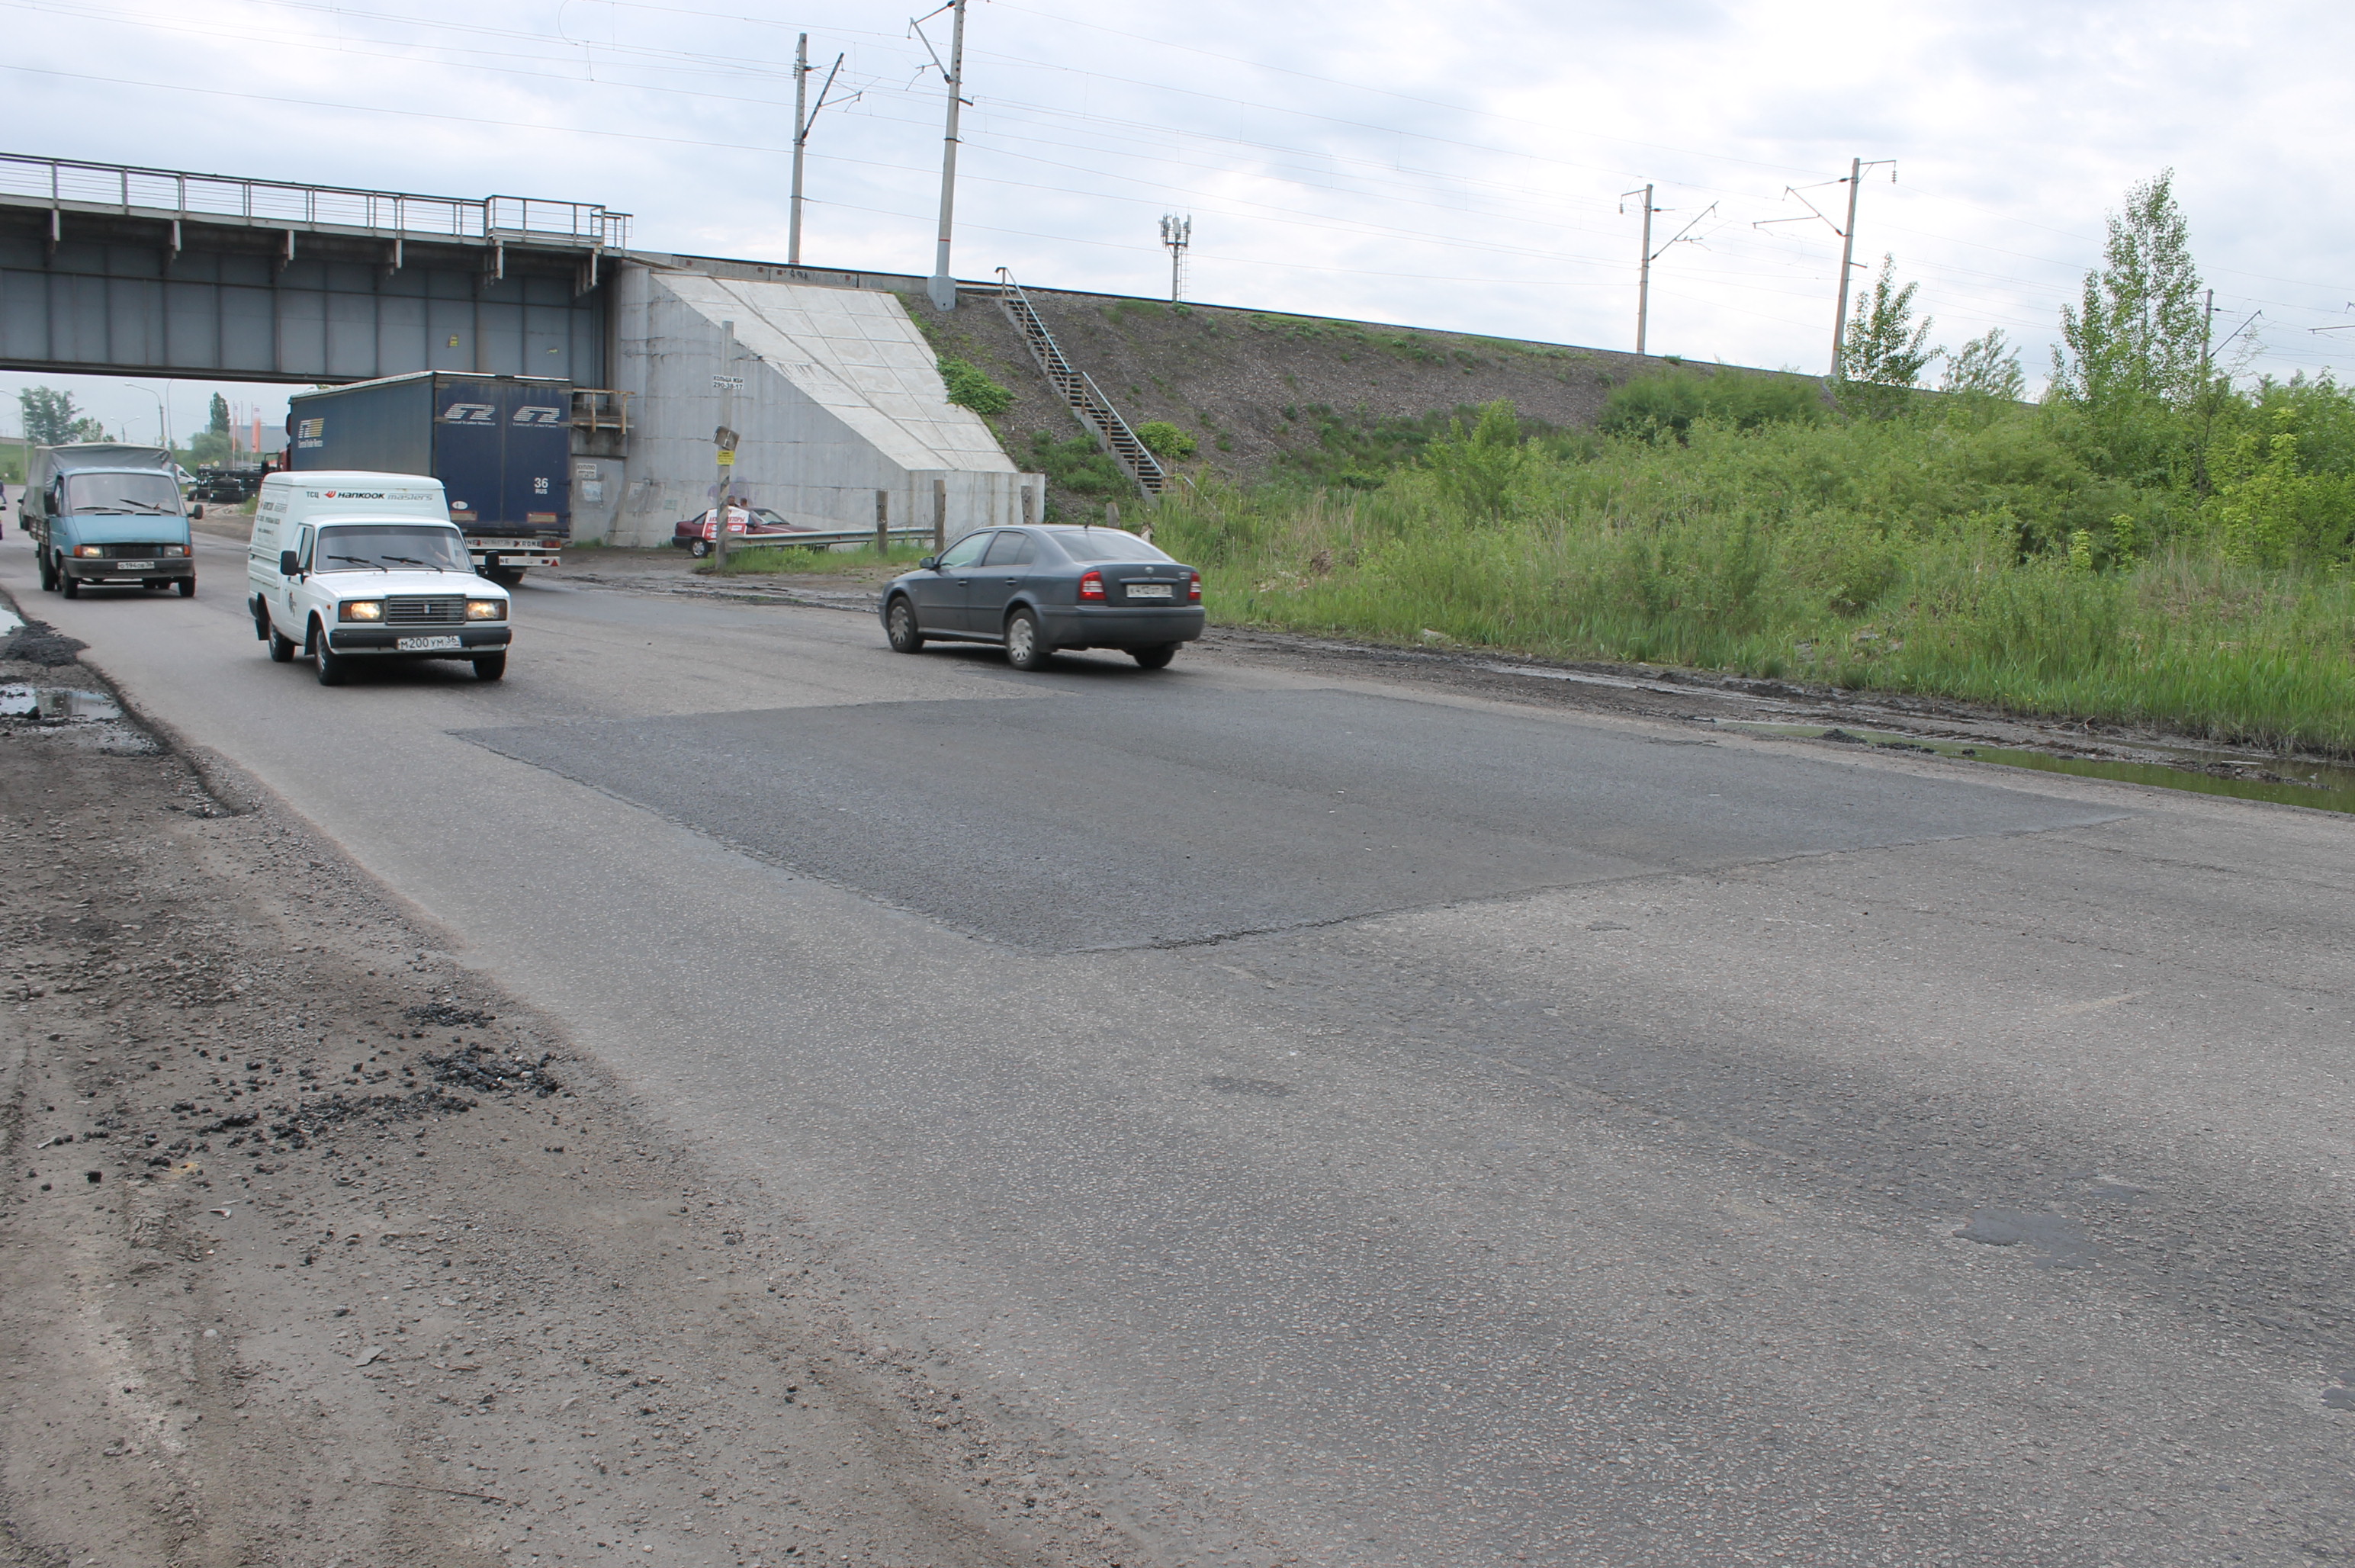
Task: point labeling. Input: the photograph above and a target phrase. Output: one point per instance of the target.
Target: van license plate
(1149, 591)
(428, 644)
(137, 565)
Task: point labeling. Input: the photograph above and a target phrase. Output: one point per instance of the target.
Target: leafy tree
(1474, 469)
(1985, 367)
(2140, 332)
(218, 423)
(1884, 351)
(49, 415)
(87, 430)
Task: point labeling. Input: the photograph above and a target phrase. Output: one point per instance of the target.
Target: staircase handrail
(1091, 407)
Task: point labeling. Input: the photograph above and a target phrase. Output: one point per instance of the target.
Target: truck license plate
(1148, 590)
(428, 644)
(137, 565)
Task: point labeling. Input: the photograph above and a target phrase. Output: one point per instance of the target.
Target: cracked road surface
(1425, 1129)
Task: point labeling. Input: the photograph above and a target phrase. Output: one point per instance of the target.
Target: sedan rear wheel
(1157, 656)
(899, 626)
(1024, 648)
(699, 547)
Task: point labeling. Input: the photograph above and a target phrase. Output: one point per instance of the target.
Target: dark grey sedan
(1039, 588)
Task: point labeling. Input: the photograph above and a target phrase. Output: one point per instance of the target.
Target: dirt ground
(316, 1251)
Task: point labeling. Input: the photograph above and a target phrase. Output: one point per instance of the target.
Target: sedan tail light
(1194, 588)
(1092, 585)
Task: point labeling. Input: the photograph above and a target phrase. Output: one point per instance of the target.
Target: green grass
(1913, 556)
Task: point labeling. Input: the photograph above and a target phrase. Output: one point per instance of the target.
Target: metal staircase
(1089, 405)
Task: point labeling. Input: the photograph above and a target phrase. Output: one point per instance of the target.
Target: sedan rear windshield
(142, 494)
(1106, 544)
(390, 548)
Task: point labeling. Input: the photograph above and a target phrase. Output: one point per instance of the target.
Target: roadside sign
(727, 457)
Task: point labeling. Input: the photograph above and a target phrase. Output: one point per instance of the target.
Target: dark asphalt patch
(1164, 813)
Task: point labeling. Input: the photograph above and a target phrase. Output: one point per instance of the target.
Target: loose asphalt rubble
(315, 1250)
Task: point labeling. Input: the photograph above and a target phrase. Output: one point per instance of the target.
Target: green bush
(1077, 467)
(1165, 440)
(971, 386)
(1665, 403)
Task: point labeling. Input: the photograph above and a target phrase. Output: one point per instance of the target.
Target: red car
(697, 535)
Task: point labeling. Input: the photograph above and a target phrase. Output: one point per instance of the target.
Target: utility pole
(1642, 271)
(1176, 233)
(1847, 261)
(1648, 256)
(1846, 231)
(801, 141)
(723, 443)
(803, 117)
(942, 288)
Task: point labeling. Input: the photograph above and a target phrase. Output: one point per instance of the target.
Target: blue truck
(108, 515)
(501, 446)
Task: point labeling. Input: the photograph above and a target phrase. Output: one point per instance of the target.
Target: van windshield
(146, 494)
(389, 546)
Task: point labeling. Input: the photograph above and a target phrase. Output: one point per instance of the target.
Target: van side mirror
(288, 564)
(929, 563)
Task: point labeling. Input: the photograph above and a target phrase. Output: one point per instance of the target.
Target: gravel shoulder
(315, 1249)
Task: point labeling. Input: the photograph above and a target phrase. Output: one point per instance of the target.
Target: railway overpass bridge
(111, 270)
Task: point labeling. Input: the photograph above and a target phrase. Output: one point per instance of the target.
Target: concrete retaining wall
(840, 401)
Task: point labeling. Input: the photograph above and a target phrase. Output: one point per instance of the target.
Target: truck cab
(352, 568)
(100, 514)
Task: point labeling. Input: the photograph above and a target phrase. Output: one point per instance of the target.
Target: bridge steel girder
(112, 294)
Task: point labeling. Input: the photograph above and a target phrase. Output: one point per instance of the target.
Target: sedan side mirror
(929, 563)
(288, 564)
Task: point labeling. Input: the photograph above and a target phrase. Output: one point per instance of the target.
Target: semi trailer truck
(501, 446)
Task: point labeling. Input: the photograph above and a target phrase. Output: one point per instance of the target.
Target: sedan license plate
(428, 644)
(1150, 591)
(137, 565)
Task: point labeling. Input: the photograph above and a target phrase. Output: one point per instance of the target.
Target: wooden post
(884, 522)
(940, 516)
(1111, 513)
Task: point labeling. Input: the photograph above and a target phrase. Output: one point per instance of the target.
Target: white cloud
(1451, 166)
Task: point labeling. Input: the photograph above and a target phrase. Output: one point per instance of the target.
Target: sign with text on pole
(725, 440)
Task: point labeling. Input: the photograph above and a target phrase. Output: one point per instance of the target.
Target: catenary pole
(1643, 277)
(801, 142)
(943, 286)
(1847, 261)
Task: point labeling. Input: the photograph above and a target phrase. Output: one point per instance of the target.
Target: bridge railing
(69, 184)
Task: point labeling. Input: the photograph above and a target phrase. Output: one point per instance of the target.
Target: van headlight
(360, 609)
(487, 609)
(87, 550)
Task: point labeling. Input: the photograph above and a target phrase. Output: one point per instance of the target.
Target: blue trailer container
(501, 446)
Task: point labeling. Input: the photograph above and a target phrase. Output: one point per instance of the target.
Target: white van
(348, 566)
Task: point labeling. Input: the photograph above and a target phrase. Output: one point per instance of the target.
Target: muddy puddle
(2278, 779)
(58, 704)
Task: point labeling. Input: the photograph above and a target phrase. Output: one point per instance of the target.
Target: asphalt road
(1398, 1128)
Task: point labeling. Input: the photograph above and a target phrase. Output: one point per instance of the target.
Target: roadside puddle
(2286, 782)
(57, 704)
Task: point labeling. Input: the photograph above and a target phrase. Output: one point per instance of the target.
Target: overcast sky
(1457, 167)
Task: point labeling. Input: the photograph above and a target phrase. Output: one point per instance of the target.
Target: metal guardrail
(71, 185)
